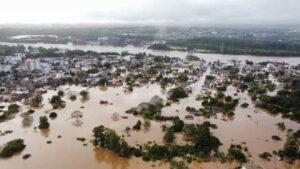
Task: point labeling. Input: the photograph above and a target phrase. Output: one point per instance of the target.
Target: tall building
(32, 64)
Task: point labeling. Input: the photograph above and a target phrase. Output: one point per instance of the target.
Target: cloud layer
(180, 12)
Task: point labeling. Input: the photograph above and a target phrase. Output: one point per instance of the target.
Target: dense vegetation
(150, 112)
(177, 93)
(203, 143)
(169, 136)
(291, 148)
(219, 103)
(285, 102)
(235, 152)
(240, 46)
(108, 138)
(11, 110)
(84, 94)
(159, 46)
(192, 58)
(10, 50)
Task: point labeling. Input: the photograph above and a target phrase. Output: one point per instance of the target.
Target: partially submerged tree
(44, 124)
(12, 147)
(77, 114)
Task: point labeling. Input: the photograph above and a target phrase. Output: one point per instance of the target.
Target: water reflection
(102, 155)
(67, 151)
(45, 132)
(181, 54)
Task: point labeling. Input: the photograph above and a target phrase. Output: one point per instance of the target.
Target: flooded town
(150, 84)
(117, 109)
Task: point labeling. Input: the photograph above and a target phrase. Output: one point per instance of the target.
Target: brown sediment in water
(66, 152)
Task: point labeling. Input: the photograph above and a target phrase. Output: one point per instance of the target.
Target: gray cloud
(179, 12)
(207, 12)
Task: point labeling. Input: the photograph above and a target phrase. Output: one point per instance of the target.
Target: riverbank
(180, 54)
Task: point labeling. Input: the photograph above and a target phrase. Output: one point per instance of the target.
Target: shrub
(147, 123)
(228, 98)
(60, 93)
(276, 138)
(265, 155)
(281, 126)
(73, 97)
(244, 105)
(26, 156)
(210, 77)
(230, 114)
(84, 94)
(178, 165)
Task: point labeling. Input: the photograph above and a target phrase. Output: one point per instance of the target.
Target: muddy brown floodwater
(66, 152)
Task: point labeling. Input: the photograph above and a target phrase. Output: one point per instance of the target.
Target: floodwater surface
(67, 152)
(251, 127)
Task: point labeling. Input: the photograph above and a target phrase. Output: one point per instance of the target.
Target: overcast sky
(210, 12)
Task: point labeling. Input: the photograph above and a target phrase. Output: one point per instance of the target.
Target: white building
(128, 58)
(5, 68)
(45, 67)
(32, 64)
(270, 66)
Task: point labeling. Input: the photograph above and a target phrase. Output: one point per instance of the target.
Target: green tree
(12, 147)
(169, 136)
(44, 124)
(13, 108)
(60, 93)
(137, 126)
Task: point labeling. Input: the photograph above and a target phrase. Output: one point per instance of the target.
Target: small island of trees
(12, 147)
(57, 102)
(160, 46)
